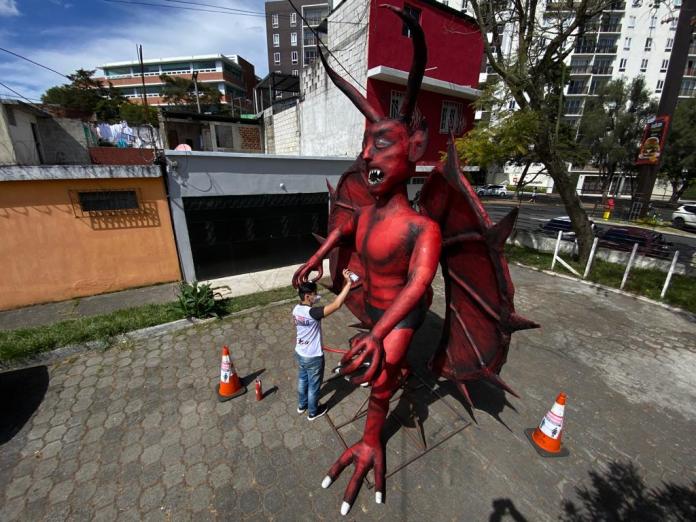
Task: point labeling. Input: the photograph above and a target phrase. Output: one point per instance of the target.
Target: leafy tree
(87, 95)
(134, 113)
(534, 74)
(612, 125)
(181, 91)
(679, 161)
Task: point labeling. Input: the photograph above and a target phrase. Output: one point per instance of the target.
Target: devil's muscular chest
(385, 241)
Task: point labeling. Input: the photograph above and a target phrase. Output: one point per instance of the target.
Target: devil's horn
(420, 58)
(358, 99)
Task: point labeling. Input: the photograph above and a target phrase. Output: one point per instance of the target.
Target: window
(293, 39)
(670, 44)
(451, 117)
(293, 19)
(665, 64)
(309, 38)
(276, 40)
(622, 64)
(395, 104)
(293, 57)
(673, 23)
(274, 20)
(631, 22)
(653, 22)
(172, 67)
(643, 64)
(627, 43)
(108, 200)
(310, 55)
(637, 3)
(276, 58)
(415, 13)
(223, 136)
(659, 86)
(573, 106)
(295, 72)
(512, 105)
(648, 44)
(313, 16)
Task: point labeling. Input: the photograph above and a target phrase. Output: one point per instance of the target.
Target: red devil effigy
(395, 250)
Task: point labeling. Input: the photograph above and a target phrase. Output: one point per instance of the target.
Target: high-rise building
(232, 75)
(291, 44)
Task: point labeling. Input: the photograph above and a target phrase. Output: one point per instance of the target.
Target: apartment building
(232, 75)
(290, 42)
(627, 40)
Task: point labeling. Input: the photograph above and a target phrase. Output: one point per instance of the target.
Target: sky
(66, 35)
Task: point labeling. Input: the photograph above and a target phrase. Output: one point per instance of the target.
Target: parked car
(492, 190)
(684, 216)
(650, 243)
(562, 223)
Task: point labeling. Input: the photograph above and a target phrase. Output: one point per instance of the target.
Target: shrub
(197, 300)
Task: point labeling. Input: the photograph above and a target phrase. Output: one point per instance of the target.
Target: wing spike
(465, 392)
(499, 233)
(319, 238)
(360, 326)
(517, 322)
(500, 383)
(332, 190)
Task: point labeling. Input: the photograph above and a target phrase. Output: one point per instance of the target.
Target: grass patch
(25, 342)
(641, 281)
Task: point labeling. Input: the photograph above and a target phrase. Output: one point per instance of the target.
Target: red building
(378, 59)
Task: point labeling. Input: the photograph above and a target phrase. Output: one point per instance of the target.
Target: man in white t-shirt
(308, 347)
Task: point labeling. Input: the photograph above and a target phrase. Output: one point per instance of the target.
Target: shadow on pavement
(22, 391)
(504, 508)
(621, 494)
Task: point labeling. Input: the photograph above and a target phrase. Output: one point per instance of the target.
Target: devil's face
(386, 155)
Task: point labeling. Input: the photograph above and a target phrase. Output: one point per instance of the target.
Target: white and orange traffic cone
(230, 386)
(546, 439)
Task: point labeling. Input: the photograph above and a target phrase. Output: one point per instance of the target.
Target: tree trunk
(566, 189)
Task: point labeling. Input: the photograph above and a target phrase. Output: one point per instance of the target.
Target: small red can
(259, 391)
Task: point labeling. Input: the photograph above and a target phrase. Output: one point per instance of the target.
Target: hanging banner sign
(653, 142)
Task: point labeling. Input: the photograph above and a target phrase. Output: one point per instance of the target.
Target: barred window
(105, 200)
(395, 104)
(451, 117)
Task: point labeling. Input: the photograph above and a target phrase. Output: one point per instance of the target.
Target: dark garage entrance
(239, 234)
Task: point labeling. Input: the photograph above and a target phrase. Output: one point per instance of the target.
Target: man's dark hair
(306, 288)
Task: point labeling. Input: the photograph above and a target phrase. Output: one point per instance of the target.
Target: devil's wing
(479, 293)
(345, 201)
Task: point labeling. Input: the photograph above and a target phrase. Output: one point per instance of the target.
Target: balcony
(577, 89)
(690, 71)
(692, 48)
(616, 6)
(585, 49)
(562, 5)
(606, 49)
(610, 28)
(688, 92)
(581, 69)
(602, 70)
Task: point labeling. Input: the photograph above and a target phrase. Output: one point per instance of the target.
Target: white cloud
(8, 8)
(177, 33)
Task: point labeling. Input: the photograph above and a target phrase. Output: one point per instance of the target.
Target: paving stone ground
(136, 432)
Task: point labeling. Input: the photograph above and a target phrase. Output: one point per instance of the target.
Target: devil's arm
(346, 229)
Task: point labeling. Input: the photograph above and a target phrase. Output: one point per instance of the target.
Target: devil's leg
(368, 453)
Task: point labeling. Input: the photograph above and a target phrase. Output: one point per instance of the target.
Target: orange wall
(49, 254)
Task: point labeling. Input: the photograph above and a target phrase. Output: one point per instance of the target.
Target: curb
(675, 309)
(59, 354)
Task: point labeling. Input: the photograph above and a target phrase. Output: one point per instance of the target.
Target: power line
(18, 94)
(35, 63)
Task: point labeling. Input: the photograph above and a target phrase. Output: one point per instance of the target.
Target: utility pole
(647, 174)
(195, 90)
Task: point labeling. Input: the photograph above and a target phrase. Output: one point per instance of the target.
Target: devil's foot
(364, 456)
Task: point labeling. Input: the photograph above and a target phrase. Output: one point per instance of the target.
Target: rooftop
(232, 58)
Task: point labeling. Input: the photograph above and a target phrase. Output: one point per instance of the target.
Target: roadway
(534, 214)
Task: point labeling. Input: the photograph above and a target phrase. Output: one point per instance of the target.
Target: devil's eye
(382, 143)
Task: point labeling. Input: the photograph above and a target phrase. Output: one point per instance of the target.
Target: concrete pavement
(135, 432)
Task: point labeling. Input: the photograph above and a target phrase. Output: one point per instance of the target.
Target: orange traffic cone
(230, 386)
(546, 439)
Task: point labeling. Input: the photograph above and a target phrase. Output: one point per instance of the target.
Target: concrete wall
(63, 141)
(324, 105)
(7, 153)
(206, 174)
(52, 251)
(203, 135)
(22, 138)
(282, 129)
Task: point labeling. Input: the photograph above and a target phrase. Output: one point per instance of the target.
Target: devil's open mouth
(375, 176)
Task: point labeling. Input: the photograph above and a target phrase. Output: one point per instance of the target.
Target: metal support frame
(628, 266)
(420, 441)
(669, 274)
(558, 258)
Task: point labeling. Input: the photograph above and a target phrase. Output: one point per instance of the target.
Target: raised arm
(345, 229)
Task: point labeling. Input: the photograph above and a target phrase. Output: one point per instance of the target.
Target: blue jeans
(309, 377)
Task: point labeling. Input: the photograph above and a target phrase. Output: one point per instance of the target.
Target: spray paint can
(259, 391)
(354, 277)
